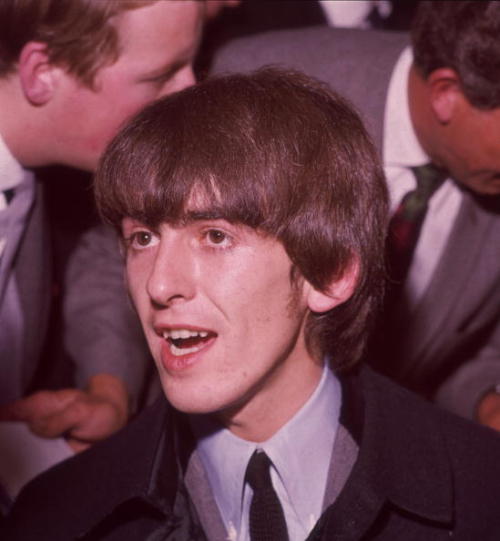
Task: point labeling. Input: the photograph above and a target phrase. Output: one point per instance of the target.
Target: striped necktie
(406, 223)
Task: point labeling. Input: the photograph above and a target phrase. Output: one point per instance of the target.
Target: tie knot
(258, 475)
(8, 194)
(429, 177)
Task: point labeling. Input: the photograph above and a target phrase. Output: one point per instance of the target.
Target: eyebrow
(202, 214)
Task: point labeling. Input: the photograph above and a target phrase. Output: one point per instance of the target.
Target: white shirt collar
(306, 441)
(401, 146)
(11, 171)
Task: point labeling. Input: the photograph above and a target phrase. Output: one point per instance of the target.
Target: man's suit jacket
(31, 266)
(450, 346)
(420, 474)
(101, 333)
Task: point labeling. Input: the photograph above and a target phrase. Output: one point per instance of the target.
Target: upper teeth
(175, 334)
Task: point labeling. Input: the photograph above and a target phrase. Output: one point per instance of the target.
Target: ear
(337, 292)
(36, 73)
(445, 93)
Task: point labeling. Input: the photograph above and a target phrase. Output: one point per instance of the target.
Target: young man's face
(158, 43)
(223, 320)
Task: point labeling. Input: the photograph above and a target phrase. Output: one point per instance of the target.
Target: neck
(287, 390)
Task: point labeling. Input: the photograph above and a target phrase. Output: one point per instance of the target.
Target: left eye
(215, 236)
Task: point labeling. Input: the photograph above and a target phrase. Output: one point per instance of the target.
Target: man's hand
(213, 8)
(81, 416)
(488, 410)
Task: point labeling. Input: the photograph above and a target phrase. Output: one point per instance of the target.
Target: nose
(182, 79)
(172, 276)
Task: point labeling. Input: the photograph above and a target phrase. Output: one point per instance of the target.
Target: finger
(78, 446)
(493, 421)
(38, 405)
(24, 409)
(62, 421)
(102, 420)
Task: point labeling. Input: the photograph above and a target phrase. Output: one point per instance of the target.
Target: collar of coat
(402, 460)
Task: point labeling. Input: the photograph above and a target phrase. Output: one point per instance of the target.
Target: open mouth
(187, 341)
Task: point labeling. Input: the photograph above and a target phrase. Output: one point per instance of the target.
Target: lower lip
(174, 364)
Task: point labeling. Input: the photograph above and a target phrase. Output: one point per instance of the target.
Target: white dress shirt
(402, 151)
(11, 175)
(300, 453)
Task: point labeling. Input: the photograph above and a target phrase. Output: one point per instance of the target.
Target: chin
(191, 401)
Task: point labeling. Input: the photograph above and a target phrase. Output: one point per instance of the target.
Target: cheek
(136, 97)
(276, 309)
(112, 113)
(135, 281)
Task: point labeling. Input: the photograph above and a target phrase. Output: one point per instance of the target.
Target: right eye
(141, 239)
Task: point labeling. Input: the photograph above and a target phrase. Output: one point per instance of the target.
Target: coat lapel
(394, 465)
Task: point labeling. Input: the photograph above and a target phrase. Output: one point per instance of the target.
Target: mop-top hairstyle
(279, 152)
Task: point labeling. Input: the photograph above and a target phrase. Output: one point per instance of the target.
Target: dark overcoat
(421, 474)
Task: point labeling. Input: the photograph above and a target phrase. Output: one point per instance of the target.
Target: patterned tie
(267, 520)
(406, 223)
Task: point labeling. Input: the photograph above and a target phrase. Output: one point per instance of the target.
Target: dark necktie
(406, 223)
(267, 520)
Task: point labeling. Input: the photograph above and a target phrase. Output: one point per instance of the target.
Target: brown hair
(276, 151)
(79, 33)
(462, 36)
